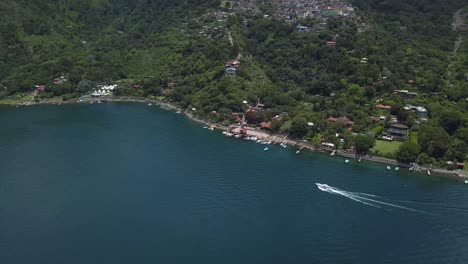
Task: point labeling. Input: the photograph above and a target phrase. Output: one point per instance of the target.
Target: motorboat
(323, 187)
(347, 161)
(389, 168)
(265, 149)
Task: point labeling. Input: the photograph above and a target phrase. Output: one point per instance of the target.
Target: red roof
(381, 106)
(331, 43)
(136, 86)
(164, 92)
(41, 88)
(171, 84)
(265, 125)
(342, 119)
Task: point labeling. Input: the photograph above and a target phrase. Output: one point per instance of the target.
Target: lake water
(129, 183)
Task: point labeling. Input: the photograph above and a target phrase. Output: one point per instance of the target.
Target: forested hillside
(341, 69)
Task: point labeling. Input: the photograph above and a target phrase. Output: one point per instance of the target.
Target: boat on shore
(333, 153)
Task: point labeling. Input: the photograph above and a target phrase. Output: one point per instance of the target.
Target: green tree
(450, 121)
(363, 143)
(433, 140)
(298, 127)
(408, 152)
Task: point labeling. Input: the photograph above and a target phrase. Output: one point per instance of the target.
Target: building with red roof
(382, 106)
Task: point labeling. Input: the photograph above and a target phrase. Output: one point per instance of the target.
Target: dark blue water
(128, 183)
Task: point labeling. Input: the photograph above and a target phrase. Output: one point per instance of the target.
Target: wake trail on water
(364, 198)
(389, 204)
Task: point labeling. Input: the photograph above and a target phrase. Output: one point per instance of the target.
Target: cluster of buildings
(104, 90)
(292, 10)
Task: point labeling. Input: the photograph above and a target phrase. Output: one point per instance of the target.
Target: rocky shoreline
(274, 138)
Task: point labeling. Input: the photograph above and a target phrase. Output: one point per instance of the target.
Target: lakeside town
(261, 133)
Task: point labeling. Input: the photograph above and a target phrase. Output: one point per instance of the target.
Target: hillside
(335, 66)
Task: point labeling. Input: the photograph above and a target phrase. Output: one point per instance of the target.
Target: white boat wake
(363, 198)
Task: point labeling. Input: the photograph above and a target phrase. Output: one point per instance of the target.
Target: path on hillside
(458, 21)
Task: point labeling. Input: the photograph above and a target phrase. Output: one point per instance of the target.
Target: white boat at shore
(389, 168)
(265, 149)
(466, 181)
(237, 136)
(397, 168)
(428, 172)
(298, 151)
(347, 161)
(333, 153)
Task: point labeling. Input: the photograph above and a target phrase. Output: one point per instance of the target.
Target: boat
(359, 159)
(150, 104)
(297, 152)
(237, 136)
(98, 101)
(179, 112)
(389, 168)
(205, 127)
(397, 168)
(428, 172)
(411, 168)
(333, 153)
(323, 187)
(268, 142)
(265, 149)
(211, 128)
(466, 181)
(346, 161)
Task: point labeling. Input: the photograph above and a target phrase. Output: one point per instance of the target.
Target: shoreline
(251, 131)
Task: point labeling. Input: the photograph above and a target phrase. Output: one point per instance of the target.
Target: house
(231, 71)
(420, 110)
(398, 131)
(41, 88)
(233, 64)
(61, 80)
(405, 93)
(382, 106)
(301, 29)
(342, 119)
(171, 84)
(330, 43)
(265, 125)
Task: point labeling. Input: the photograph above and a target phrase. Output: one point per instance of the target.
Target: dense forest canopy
(342, 69)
